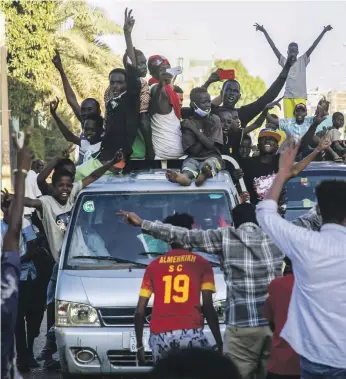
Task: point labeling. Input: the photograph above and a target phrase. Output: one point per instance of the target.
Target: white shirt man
(31, 188)
(316, 321)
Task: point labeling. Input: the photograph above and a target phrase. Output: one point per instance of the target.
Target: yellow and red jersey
(177, 279)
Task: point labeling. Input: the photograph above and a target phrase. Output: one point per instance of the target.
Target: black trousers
(27, 326)
(44, 268)
(277, 376)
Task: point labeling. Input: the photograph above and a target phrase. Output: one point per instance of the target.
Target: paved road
(39, 373)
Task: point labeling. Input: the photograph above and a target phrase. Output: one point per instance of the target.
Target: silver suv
(103, 261)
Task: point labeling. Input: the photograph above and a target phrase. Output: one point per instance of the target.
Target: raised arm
(213, 78)
(300, 166)
(66, 132)
(24, 159)
(260, 28)
(160, 102)
(286, 236)
(129, 22)
(272, 120)
(248, 112)
(318, 40)
(258, 122)
(69, 93)
(42, 177)
(217, 100)
(102, 170)
(309, 135)
(209, 241)
(263, 116)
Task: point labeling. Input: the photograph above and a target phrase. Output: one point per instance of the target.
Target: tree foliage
(251, 87)
(29, 35)
(34, 29)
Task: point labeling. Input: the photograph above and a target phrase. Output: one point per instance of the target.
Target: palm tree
(87, 59)
(34, 29)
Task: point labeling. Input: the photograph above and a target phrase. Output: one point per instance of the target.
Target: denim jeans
(311, 370)
(52, 285)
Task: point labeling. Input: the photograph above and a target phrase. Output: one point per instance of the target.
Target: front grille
(126, 358)
(121, 316)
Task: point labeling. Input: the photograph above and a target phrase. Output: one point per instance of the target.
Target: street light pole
(6, 177)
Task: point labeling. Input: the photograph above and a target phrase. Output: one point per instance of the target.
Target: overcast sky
(225, 30)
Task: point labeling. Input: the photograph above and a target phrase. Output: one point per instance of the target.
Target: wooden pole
(6, 177)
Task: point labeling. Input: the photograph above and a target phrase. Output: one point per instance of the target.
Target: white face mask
(200, 111)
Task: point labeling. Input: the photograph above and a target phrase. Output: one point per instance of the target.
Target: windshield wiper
(112, 259)
(213, 263)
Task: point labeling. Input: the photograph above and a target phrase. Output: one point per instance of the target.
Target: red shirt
(177, 279)
(283, 359)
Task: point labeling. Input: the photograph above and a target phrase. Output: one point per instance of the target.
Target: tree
(34, 29)
(29, 33)
(251, 87)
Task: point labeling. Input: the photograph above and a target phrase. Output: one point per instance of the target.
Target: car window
(300, 191)
(97, 231)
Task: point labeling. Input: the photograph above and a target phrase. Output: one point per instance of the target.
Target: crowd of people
(145, 122)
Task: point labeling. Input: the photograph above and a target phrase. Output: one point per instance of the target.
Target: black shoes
(51, 364)
(32, 362)
(23, 367)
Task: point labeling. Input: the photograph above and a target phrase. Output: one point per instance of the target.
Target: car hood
(109, 288)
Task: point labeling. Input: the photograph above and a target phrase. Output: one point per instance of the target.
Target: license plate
(133, 341)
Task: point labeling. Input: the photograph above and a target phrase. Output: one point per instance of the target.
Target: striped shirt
(251, 261)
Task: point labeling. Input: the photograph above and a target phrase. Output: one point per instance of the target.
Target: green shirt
(138, 147)
(85, 169)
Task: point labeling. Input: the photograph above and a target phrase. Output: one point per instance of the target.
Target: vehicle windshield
(301, 189)
(97, 231)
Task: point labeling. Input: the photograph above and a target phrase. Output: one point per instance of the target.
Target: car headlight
(219, 306)
(75, 314)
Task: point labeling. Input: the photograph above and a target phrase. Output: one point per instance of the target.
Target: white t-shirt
(55, 218)
(31, 190)
(296, 80)
(166, 135)
(334, 135)
(87, 149)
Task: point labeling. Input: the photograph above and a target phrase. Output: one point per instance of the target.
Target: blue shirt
(290, 126)
(28, 234)
(10, 266)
